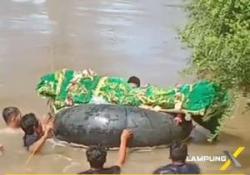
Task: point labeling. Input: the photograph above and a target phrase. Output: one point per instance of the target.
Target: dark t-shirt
(110, 170)
(184, 168)
(29, 139)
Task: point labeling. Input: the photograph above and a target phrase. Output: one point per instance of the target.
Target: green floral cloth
(207, 102)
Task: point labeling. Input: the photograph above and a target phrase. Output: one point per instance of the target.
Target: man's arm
(47, 120)
(37, 146)
(125, 137)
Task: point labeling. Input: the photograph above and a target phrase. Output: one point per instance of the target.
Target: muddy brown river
(113, 37)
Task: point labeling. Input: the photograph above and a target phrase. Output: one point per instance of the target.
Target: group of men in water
(37, 132)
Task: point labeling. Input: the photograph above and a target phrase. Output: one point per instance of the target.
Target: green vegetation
(219, 34)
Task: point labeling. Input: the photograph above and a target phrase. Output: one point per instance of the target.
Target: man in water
(12, 117)
(35, 135)
(178, 154)
(134, 81)
(96, 156)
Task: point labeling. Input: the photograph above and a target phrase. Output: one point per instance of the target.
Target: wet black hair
(134, 80)
(9, 113)
(96, 156)
(28, 123)
(178, 151)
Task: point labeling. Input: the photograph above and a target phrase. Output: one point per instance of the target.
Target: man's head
(178, 152)
(30, 124)
(96, 156)
(134, 81)
(12, 117)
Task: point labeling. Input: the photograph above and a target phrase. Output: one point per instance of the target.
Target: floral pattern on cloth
(207, 102)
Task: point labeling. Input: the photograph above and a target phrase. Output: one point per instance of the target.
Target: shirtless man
(12, 117)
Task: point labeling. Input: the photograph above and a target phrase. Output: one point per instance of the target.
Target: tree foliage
(219, 34)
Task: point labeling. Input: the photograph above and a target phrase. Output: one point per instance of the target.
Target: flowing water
(113, 37)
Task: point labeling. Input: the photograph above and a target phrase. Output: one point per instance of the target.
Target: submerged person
(96, 156)
(35, 135)
(178, 155)
(12, 117)
(134, 81)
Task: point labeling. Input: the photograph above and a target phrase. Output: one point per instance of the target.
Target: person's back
(110, 170)
(96, 156)
(178, 154)
(185, 168)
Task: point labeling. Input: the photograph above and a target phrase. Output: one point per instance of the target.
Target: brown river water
(113, 37)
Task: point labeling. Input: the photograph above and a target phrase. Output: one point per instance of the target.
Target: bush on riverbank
(219, 34)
